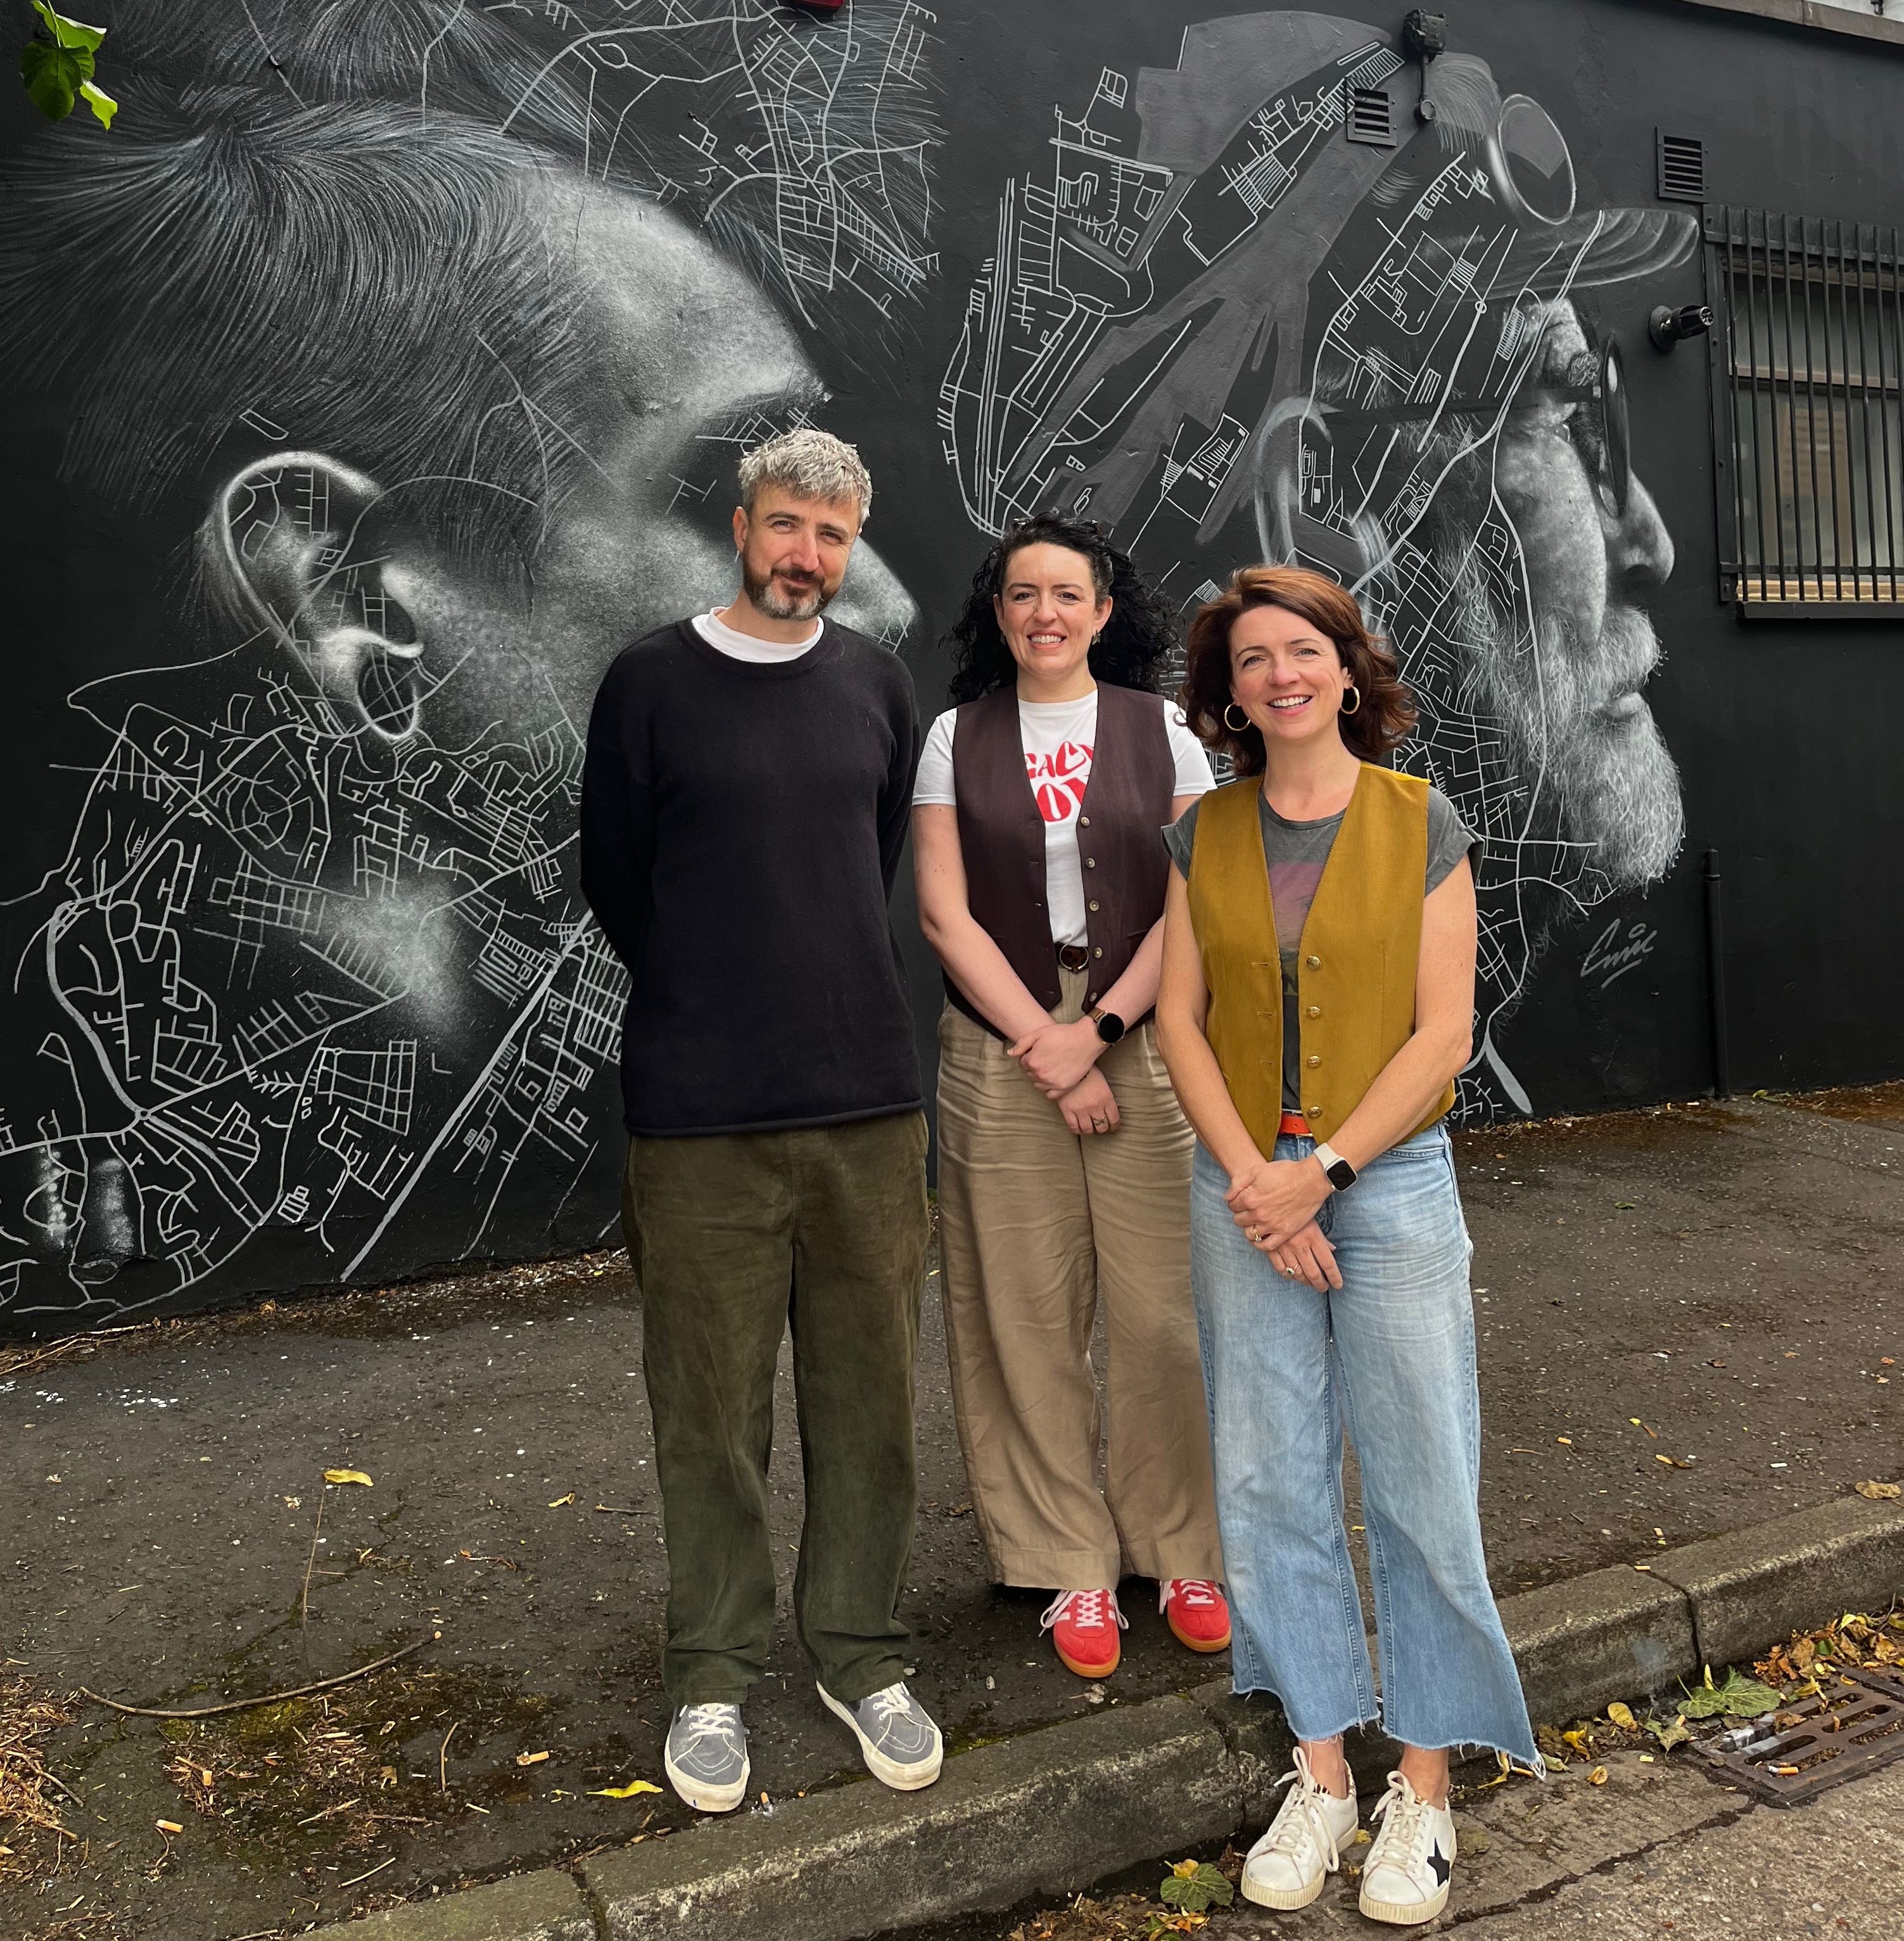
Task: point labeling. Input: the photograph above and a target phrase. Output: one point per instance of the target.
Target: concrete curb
(1055, 1810)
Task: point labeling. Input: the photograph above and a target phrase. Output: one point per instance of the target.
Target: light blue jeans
(1390, 1355)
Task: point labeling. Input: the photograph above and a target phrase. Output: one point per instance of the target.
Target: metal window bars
(1807, 362)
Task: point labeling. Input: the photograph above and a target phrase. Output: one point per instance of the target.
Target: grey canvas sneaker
(897, 1738)
(706, 1761)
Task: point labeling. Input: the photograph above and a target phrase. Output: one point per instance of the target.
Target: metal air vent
(1682, 160)
(1369, 117)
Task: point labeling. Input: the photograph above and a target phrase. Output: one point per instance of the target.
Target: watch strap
(1341, 1172)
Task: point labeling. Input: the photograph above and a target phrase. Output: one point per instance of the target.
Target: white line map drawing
(1207, 305)
(310, 996)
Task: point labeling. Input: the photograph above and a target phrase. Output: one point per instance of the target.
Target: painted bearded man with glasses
(1387, 357)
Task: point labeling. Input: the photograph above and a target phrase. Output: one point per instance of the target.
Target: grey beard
(767, 599)
(1612, 784)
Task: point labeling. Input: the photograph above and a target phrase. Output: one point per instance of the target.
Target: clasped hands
(1274, 1201)
(1061, 1060)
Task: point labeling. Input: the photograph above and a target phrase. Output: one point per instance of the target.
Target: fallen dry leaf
(1598, 1776)
(1622, 1715)
(531, 1758)
(348, 1476)
(1880, 1493)
(626, 1792)
(560, 1501)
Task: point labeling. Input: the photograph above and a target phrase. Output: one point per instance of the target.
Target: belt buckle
(1073, 957)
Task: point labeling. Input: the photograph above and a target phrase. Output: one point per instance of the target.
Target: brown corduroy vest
(1001, 837)
(1360, 947)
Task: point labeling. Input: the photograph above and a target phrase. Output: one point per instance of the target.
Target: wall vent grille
(1370, 116)
(1682, 160)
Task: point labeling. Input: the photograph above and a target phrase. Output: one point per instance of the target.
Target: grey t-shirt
(1296, 852)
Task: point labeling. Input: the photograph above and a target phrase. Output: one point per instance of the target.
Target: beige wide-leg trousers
(1035, 1224)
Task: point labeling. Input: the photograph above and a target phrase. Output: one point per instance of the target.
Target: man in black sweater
(743, 804)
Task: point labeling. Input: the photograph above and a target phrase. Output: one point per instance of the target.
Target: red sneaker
(1084, 1626)
(1198, 1614)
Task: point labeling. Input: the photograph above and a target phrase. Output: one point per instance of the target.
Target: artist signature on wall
(1611, 955)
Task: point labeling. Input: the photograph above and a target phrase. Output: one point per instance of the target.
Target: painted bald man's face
(695, 364)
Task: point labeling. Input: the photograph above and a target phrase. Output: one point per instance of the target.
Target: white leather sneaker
(1287, 1867)
(1405, 1878)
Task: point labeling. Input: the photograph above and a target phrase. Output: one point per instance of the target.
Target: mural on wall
(424, 337)
(1214, 322)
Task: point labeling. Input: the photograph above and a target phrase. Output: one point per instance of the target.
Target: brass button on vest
(1090, 862)
(1314, 962)
(1083, 822)
(1315, 1011)
(1094, 906)
(1315, 1058)
(1098, 950)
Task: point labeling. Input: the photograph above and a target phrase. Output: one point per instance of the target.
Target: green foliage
(58, 72)
(1743, 1697)
(1195, 1885)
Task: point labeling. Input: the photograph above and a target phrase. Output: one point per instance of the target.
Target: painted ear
(291, 544)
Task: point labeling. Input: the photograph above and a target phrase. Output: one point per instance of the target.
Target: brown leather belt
(1073, 956)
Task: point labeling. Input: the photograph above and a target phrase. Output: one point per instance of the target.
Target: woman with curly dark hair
(1317, 1001)
(1064, 1162)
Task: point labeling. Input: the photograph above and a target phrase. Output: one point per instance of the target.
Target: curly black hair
(1139, 640)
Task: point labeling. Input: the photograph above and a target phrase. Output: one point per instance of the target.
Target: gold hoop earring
(1235, 727)
(1351, 688)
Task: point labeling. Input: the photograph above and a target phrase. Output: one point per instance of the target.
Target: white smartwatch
(1341, 1172)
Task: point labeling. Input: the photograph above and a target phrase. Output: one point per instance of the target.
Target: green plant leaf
(73, 34)
(1195, 1892)
(102, 104)
(54, 77)
(1744, 1698)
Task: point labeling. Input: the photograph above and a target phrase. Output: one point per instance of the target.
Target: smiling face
(695, 364)
(1286, 675)
(1575, 715)
(793, 550)
(1049, 610)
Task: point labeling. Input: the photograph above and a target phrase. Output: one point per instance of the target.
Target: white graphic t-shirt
(1057, 737)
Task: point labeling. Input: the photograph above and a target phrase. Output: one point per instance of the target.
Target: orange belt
(1293, 1126)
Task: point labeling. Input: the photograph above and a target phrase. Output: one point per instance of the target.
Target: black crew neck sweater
(741, 825)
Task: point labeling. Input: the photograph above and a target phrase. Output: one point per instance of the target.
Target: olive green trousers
(734, 1238)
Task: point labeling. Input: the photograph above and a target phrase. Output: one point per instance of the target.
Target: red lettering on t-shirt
(1059, 780)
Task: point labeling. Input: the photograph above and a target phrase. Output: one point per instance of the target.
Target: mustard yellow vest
(1356, 976)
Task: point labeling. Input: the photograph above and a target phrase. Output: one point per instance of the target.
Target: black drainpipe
(1716, 977)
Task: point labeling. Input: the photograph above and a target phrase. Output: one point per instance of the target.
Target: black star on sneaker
(1438, 1865)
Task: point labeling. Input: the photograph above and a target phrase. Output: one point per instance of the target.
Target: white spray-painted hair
(811, 464)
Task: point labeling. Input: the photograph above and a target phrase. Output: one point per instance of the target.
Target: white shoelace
(893, 1699)
(1405, 1827)
(713, 1720)
(1198, 1593)
(1307, 1821)
(1087, 1610)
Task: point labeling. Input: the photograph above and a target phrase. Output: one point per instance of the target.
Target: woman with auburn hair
(1064, 1162)
(1329, 1257)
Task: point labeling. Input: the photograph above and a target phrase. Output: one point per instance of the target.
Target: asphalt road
(1718, 1273)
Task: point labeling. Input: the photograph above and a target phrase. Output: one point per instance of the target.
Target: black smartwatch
(1111, 1027)
(1341, 1174)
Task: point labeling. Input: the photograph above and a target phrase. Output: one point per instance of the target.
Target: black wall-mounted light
(1668, 325)
(1423, 36)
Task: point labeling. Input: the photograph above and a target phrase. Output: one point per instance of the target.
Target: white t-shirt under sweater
(740, 646)
(1057, 737)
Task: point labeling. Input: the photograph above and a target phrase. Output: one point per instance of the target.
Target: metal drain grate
(1815, 1744)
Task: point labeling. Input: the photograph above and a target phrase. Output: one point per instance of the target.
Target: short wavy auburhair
(1138, 640)
(1376, 728)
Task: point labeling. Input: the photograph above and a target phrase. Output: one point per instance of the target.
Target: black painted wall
(359, 406)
